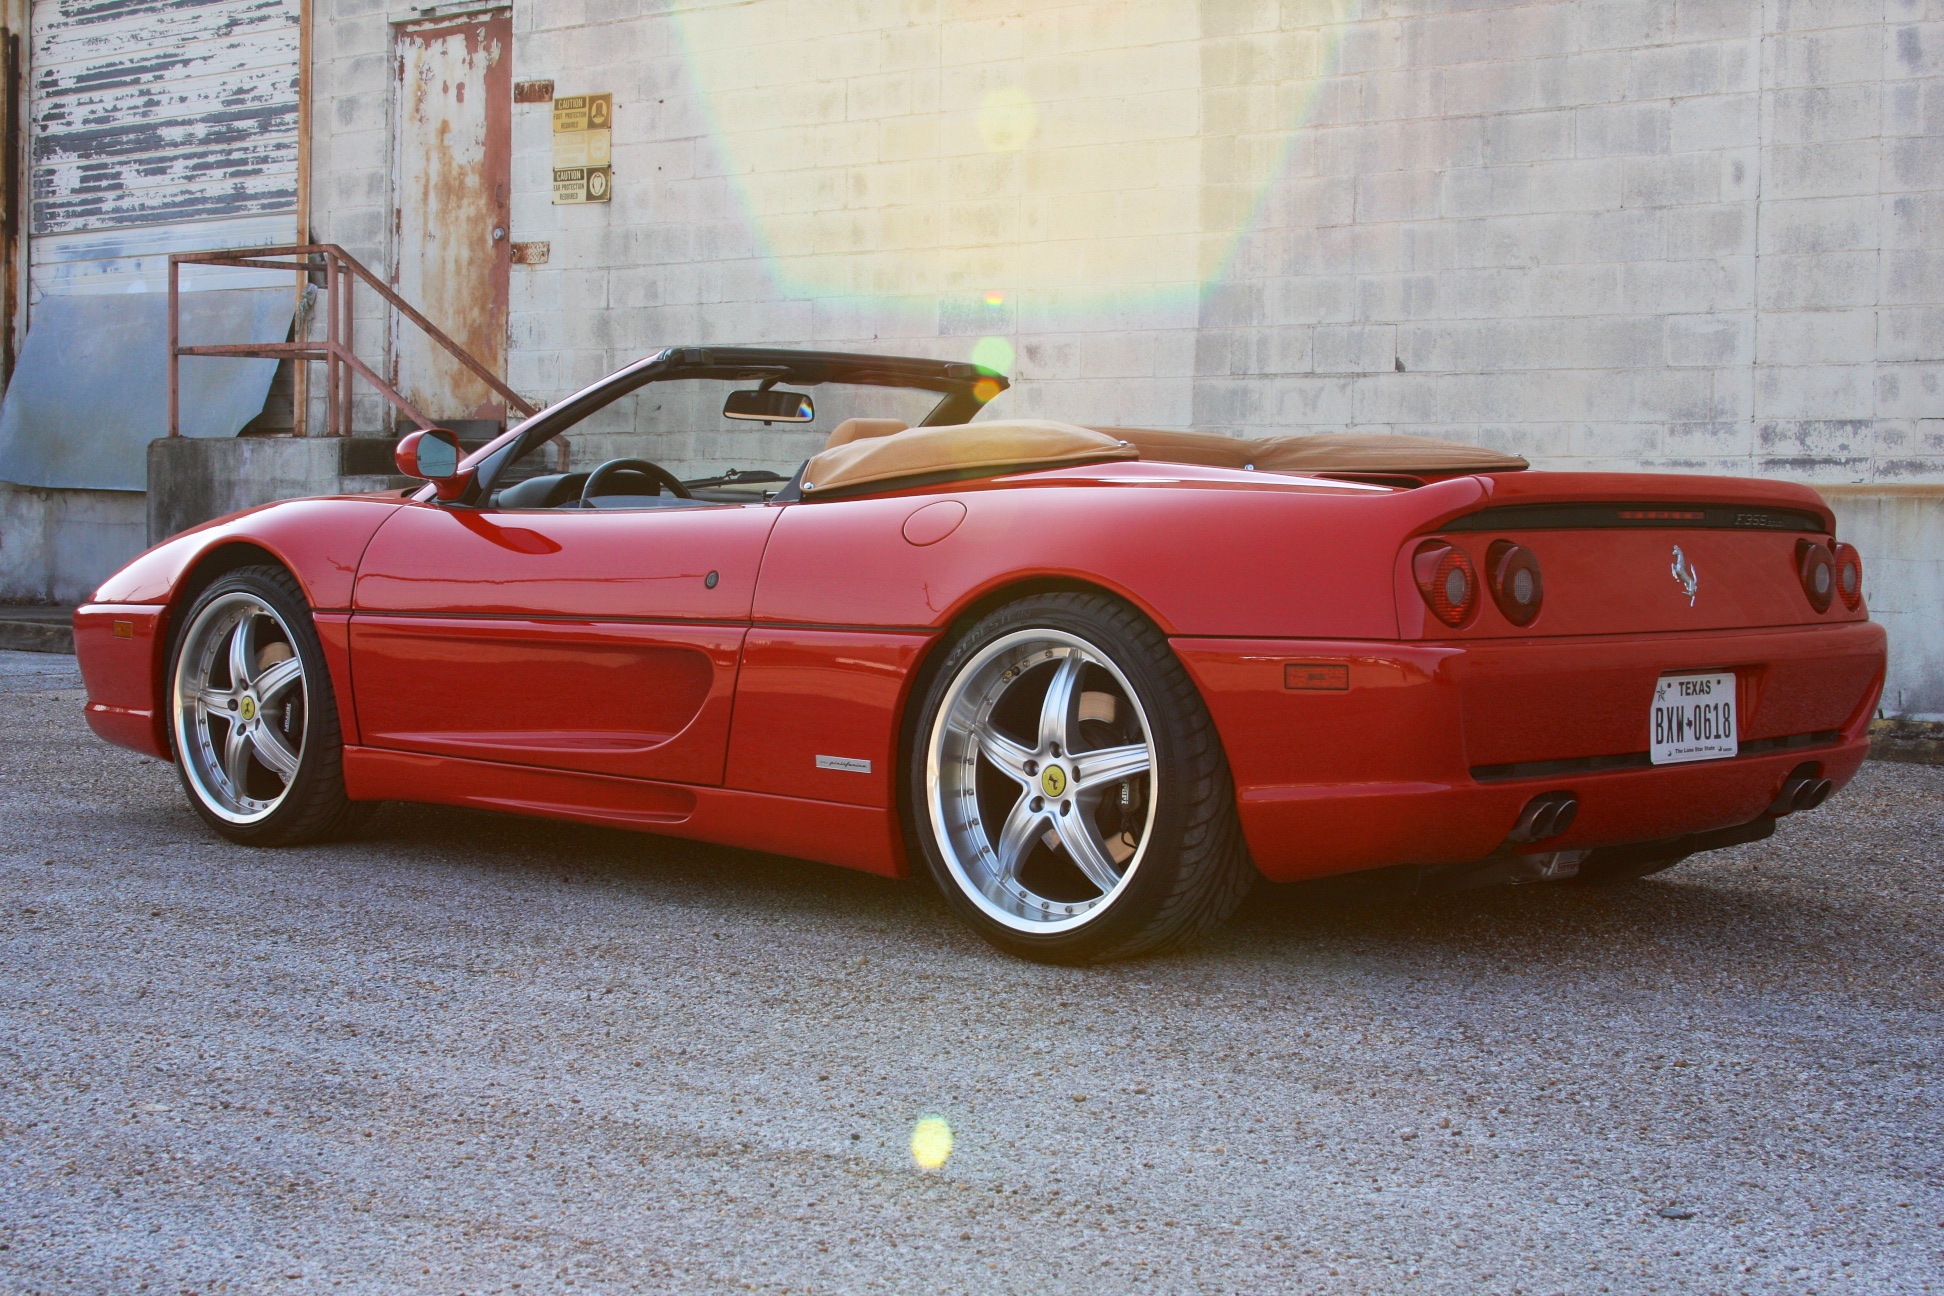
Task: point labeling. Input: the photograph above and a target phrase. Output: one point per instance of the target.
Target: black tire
(1189, 868)
(313, 805)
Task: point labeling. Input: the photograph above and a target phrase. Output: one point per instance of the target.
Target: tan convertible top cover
(889, 457)
(1344, 452)
(958, 450)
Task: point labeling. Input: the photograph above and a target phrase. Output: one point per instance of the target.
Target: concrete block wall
(354, 95)
(1901, 528)
(1680, 235)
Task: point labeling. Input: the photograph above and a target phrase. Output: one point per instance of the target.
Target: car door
(605, 641)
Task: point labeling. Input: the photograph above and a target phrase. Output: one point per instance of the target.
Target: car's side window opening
(623, 445)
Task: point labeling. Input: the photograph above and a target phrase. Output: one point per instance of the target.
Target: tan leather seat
(857, 429)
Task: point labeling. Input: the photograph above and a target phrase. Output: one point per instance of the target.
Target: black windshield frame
(956, 384)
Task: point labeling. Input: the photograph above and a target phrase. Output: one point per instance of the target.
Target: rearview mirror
(769, 406)
(432, 454)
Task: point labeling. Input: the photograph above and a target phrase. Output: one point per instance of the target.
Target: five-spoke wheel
(1039, 779)
(1068, 788)
(252, 716)
(239, 711)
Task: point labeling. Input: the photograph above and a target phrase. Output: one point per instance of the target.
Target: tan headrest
(859, 429)
(958, 450)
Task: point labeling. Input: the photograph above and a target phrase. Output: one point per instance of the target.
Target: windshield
(678, 424)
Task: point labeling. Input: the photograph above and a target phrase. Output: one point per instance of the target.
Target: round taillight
(1849, 576)
(1514, 576)
(1446, 579)
(1817, 568)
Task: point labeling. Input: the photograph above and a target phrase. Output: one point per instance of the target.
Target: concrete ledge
(1914, 742)
(37, 629)
(194, 479)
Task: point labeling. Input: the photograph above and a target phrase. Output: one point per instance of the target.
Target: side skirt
(850, 836)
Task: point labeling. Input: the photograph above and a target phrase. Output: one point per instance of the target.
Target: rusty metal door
(453, 190)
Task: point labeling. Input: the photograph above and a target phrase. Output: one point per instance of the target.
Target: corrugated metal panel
(158, 111)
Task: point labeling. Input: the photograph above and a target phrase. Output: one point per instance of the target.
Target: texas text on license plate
(1693, 718)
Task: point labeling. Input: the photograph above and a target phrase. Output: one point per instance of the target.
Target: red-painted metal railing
(341, 272)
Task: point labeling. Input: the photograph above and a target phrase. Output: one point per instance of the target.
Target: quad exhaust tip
(1545, 816)
(1551, 813)
(1804, 789)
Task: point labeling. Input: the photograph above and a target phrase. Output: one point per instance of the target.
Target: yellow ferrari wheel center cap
(1053, 780)
(247, 708)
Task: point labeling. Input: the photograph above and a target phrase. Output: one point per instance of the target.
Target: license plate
(1693, 718)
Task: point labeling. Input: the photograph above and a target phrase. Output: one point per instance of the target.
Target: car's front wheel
(1068, 790)
(252, 715)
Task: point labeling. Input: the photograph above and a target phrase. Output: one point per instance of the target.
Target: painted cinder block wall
(1669, 235)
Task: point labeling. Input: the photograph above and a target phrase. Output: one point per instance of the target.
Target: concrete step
(33, 628)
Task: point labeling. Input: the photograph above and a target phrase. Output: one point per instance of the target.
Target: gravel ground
(478, 1054)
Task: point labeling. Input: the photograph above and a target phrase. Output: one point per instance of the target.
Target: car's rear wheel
(1068, 789)
(253, 719)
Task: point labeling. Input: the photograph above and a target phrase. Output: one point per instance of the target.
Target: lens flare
(984, 390)
(1007, 120)
(1124, 175)
(995, 298)
(931, 1143)
(994, 353)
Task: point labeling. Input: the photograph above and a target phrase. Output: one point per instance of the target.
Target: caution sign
(570, 113)
(575, 185)
(583, 148)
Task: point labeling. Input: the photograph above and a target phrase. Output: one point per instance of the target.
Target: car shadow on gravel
(1741, 921)
(1730, 912)
(658, 867)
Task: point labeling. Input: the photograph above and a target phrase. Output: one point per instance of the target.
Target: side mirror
(432, 454)
(769, 406)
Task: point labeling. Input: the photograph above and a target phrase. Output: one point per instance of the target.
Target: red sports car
(1094, 680)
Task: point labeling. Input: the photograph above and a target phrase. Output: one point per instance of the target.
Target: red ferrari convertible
(1094, 680)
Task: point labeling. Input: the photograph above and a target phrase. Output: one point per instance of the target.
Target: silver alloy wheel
(1043, 736)
(239, 707)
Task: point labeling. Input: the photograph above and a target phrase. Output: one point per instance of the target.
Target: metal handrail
(340, 269)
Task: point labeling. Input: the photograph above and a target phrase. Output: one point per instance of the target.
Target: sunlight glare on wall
(1054, 149)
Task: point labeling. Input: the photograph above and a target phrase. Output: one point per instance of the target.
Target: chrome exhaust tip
(1545, 816)
(1804, 789)
(1813, 794)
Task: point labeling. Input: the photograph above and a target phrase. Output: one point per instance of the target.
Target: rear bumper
(1425, 753)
